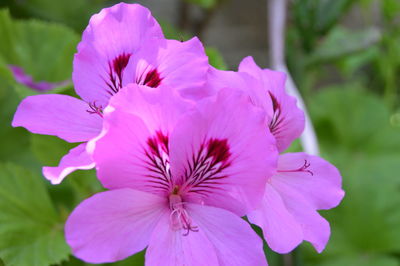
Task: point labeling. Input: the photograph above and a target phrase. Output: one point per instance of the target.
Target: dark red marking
(218, 150)
(277, 118)
(205, 169)
(158, 141)
(152, 79)
(116, 69)
(119, 64)
(158, 163)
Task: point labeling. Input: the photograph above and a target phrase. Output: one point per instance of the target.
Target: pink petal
(113, 225)
(77, 158)
(179, 65)
(307, 183)
(303, 184)
(42, 86)
(63, 116)
(320, 183)
(315, 228)
(220, 79)
(234, 240)
(281, 230)
(170, 247)
(222, 239)
(133, 118)
(289, 124)
(159, 108)
(113, 34)
(233, 130)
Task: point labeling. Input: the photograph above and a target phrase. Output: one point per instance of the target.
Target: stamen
(179, 217)
(303, 168)
(94, 109)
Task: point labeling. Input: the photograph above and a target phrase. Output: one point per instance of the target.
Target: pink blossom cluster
(183, 149)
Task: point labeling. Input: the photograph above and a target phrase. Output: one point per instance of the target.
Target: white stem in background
(276, 30)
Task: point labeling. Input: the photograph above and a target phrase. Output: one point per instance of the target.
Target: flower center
(179, 217)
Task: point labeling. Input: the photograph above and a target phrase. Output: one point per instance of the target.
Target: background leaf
(31, 232)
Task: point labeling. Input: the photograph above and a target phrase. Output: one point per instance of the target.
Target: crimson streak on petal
(157, 153)
(149, 78)
(116, 69)
(203, 171)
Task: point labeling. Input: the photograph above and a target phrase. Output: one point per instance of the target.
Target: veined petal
(113, 225)
(63, 116)
(221, 154)
(286, 120)
(281, 230)
(76, 159)
(133, 148)
(111, 38)
(222, 239)
(180, 65)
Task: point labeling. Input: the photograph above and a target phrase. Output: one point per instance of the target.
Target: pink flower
(302, 184)
(123, 44)
(266, 89)
(179, 175)
(288, 213)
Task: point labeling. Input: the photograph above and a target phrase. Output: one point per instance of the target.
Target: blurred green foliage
(348, 77)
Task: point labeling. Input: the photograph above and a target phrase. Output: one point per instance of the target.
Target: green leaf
(215, 58)
(329, 12)
(342, 42)
(315, 18)
(348, 115)
(44, 50)
(364, 260)
(49, 149)
(74, 13)
(204, 3)
(171, 32)
(15, 144)
(31, 232)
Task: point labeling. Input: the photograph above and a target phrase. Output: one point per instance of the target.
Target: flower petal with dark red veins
(286, 120)
(132, 150)
(223, 158)
(182, 66)
(112, 37)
